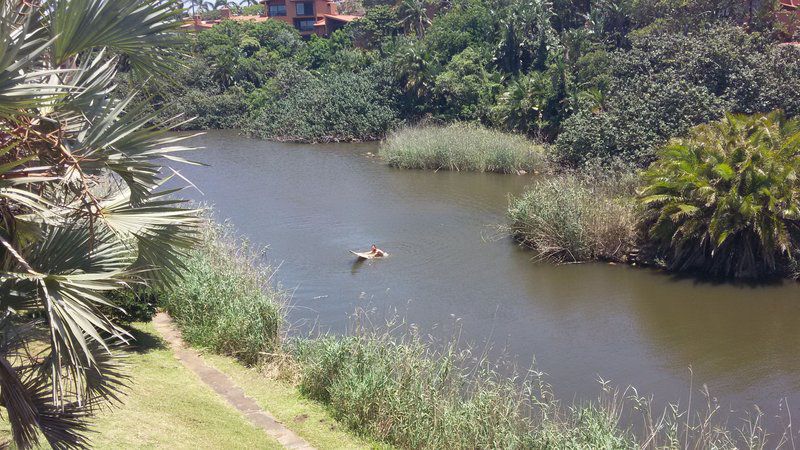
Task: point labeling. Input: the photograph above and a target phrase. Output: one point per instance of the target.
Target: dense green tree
(526, 37)
(726, 199)
(467, 23)
(413, 16)
(378, 26)
(466, 88)
(415, 71)
(521, 107)
(667, 83)
(327, 107)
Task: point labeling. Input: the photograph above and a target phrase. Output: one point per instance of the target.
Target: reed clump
(462, 147)
(224, 300)
(573, 217)
(410, 392)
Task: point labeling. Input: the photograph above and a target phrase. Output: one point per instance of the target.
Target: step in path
(225, 387)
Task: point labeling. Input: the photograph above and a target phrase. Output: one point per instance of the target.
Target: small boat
(368, 255)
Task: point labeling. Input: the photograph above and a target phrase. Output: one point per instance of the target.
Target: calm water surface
(311, 204)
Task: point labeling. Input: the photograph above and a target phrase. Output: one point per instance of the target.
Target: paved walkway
(225, 387)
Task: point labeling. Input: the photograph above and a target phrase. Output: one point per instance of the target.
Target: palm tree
(522, 106)
(414, 71)
(217, 4)
(527, 36)
(413, 15)
(82, 211)
(726, 199)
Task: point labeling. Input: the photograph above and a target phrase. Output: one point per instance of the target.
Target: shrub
(726, 199)
(668, 83)
(325, 108)
(224, 301)
(462, 147)
(571, 218)
(132, 305)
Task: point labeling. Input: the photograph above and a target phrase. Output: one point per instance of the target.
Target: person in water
(376, 251)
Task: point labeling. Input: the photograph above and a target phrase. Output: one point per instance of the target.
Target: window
(304, 25)
(305, 9)
(277, 10)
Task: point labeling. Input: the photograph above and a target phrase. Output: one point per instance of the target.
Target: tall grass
(404, 392)
(462, 147)
(571, 217)
(410, 392)
(408, 395)
(224, 301)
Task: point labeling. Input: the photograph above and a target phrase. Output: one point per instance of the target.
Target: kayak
(368, 255)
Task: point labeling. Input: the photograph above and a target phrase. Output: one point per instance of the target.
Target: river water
(450, 266)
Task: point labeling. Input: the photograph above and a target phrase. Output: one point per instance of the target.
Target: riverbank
(166, 406)
(403, 390)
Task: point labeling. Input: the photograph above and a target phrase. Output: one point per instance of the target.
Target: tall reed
(409, 392)
(224, 300)
(462, 147)
(571, 217)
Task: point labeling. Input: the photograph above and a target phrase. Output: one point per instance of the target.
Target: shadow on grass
(145, 342)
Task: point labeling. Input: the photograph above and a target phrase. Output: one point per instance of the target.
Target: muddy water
(449, 265)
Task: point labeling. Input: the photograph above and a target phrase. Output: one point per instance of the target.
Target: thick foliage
(668, 83)
(726, 199)
(300, 106)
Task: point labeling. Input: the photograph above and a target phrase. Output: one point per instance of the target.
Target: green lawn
(305, 417)
(167, 406)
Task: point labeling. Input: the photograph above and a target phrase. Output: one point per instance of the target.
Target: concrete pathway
(225, 387)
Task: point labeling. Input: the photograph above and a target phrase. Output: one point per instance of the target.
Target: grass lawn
(167, 406)
(307, 418)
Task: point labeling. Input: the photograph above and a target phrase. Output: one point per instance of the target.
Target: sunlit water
(449, 264)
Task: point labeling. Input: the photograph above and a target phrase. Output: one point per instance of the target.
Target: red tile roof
(249, 18)
(346, 17)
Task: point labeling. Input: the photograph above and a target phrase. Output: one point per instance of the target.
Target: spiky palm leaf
(81, 209)
(726, 199)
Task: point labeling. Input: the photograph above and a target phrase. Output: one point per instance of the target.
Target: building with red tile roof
(309, 17)
(789, 15)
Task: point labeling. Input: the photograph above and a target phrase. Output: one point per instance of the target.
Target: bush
(668, 83)
(224, 301)
(132, 305)
(572, 218)
(331, 107)
(462, 147)
(726, 200)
